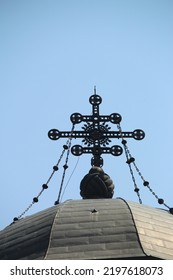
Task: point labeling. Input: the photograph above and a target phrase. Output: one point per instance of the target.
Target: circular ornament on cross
(53, 134)
(116, 150)
(95, 99)
(115, 118)
(77, 150)
(138, 134)
(76, 118)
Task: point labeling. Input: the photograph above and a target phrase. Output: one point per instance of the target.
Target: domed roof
(91, 229)
(96, 227)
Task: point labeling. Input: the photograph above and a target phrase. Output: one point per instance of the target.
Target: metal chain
(146, 184)
(69, 179)
(65, 168)
(130, 160)
(55, 168)
(136, 189)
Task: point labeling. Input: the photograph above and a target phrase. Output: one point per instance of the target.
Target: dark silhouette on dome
(96, 184)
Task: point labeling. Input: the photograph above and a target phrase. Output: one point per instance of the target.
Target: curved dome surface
(91, 229)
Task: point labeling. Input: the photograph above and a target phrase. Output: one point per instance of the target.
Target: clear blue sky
(52, 53)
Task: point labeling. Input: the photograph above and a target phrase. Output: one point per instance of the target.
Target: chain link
(65, 168)
(146, 183)
(55, 168)
(131, 160)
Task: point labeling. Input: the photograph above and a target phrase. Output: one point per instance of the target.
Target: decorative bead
(55, 168)
(146, 183)
(65, 147)
(65, 166)
(130, 160)
(171, 210)
(124, 142)
(136, 190)
(44, 186)
(35, 199)
(15, 219)
(160, 201)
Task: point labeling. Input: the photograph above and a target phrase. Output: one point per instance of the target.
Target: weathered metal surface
(27, 238)
(91, 229)
(155, 229)
(94, 229)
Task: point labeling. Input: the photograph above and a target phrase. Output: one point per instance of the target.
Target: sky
(52, 54)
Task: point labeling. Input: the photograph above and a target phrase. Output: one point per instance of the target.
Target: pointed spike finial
(95, 90)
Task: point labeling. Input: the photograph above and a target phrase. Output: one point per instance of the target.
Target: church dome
(97, 226)
(91, 229)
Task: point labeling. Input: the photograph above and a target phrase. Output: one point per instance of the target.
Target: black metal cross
(96, 133)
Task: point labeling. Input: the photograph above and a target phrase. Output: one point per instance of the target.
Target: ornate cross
(96, 133)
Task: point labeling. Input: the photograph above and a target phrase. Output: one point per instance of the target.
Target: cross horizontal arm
(78, 150)
(96, 134)
(78, 118)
